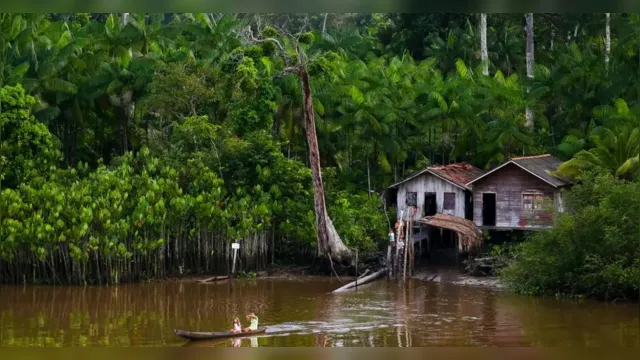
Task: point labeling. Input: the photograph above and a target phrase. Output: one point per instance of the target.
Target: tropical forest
(138, 146)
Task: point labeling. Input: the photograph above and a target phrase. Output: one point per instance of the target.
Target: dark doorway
(468, 205)
(430, 205)
(391, 197)
(489, 209)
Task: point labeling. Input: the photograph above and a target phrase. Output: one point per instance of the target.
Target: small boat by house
(193, 335)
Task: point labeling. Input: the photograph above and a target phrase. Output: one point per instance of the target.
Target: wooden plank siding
(427, 183)
(509, 183)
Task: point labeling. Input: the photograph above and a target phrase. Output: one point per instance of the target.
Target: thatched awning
(468, 233)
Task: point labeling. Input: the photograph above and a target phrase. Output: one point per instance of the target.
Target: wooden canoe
(192, 335)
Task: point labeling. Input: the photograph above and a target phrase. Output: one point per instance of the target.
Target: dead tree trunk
(361, 281)
(329, 242)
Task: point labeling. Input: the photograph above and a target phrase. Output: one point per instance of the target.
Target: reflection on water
(300, 312)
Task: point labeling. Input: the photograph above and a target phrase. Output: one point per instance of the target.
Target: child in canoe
(236, 326)
(253, 322)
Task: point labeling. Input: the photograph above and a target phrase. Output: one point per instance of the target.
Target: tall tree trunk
(368, 177)
(483, 44)
(128, 107)
(607, 43)
(329, 242)
(530, 59)
(324, 23)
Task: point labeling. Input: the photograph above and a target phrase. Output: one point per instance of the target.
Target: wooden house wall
(427, 183)
(509, 183)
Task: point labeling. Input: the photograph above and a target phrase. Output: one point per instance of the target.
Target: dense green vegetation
(134, 146)
(594, 251)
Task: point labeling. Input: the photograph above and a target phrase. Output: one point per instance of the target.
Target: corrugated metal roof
(457, 174)
(540, 166)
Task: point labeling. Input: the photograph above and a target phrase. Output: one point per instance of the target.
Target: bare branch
(248, 33)
(305, 23)
(288, 70)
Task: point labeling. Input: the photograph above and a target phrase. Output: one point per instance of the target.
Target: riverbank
(431, 274)
(274, 272)
(455, 276)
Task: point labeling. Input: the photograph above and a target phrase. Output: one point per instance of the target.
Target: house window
(449, 201)
(532, 201)
(412, 199)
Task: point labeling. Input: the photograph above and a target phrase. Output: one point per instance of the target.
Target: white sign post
(235, 246)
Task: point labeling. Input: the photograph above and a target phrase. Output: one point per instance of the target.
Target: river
(300, 312)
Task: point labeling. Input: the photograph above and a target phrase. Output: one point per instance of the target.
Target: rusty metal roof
(457, 174)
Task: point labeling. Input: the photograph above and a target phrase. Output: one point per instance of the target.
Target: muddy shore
(454, 276)
(437, 275)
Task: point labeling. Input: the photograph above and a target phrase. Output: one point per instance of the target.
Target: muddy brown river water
(301, 312)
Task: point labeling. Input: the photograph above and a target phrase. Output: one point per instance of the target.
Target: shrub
(593, 250)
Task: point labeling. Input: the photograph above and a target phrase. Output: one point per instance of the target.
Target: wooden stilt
(457, 239)
(356, 269)
(389, 267)
(411, 256)
(400, 238)
(406, 247)
(420, 244)
(396, 265)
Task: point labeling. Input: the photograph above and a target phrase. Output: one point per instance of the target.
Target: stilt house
(436, 191)
(455, 202)
(521, 194)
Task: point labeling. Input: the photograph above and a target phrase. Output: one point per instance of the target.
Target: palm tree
(123, 74)
(616, 151)
(499, 103)
(458, 43)
(150, 35)
(506, 48)
(15, 36)
(212, 39)
(55, 81)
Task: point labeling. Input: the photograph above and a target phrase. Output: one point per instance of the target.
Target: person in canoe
(253, 323)
(236, 326)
